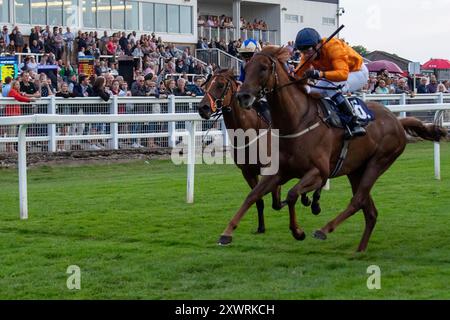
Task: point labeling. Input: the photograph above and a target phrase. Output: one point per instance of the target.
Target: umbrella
(379, 65)
(436, 64)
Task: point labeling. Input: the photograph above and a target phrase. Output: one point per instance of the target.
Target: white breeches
(356, 81)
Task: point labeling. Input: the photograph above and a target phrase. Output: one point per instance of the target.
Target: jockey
(336, 62)
(246, 51)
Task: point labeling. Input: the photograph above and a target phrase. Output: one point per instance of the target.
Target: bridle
(217, 104)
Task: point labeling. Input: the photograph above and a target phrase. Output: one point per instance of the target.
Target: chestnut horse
(309, 149)
(220, 97)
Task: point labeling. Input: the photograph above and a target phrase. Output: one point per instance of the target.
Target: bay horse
(309, 149)
(220, 96)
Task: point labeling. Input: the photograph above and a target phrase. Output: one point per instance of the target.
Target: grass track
(128, 228)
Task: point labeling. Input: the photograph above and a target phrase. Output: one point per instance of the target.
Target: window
(22, 8)
(118, 14)
(148, 20)
(70, 13)
(55, 12)
(173, 15)
(104, 14)
(160, 17)
(293, 18)
(4, 10)
(185, 19)
(38, 12)
(132, 16)
(328, 21)
(89, 10)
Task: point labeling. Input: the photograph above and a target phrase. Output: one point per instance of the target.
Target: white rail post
(225, 134)
(191, 162)
(52, 127)
(115, 126)
(171, 124)
(22, 162)
(403, 102)
(437, 146)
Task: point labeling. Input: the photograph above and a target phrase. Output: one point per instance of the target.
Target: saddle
(335, 118)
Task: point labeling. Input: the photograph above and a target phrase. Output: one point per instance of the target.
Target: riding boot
(262, 107)
(355, 128)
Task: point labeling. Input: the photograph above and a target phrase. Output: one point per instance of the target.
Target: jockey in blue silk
(246, 51)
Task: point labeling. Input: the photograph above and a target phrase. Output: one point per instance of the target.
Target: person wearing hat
(338, 64)
(248, 48)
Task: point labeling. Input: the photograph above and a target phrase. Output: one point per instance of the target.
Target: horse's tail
(417, 128)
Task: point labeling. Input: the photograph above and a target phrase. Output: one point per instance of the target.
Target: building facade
(173, 20)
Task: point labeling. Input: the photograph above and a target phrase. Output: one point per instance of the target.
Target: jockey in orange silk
(336, 62)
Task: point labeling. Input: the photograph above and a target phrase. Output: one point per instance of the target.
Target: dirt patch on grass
(85, 157)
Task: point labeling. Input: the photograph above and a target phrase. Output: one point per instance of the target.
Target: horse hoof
(299, 235)
(224, 240)
(315, 209)
(306, 202)
(320, 235)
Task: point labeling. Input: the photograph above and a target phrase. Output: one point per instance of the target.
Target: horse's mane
(280, 53)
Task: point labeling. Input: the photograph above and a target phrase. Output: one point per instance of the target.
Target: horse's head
(261, 74)
(219, 93)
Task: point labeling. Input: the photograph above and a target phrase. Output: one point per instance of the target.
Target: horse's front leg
(311, 181)
(264, 186)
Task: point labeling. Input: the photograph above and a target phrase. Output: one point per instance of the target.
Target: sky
(413, 29)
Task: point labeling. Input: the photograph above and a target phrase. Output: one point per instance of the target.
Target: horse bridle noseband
(218, 104)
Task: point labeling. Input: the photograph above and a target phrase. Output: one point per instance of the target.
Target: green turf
(128, 228)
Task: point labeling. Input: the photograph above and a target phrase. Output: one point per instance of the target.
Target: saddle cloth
(339, 120)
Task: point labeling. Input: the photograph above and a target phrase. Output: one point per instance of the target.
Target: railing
(220, 58)
(102, 135)
(228, 34)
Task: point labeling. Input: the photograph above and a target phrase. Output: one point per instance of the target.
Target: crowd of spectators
(227, 22)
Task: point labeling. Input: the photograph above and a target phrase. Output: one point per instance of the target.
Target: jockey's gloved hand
(312, 74)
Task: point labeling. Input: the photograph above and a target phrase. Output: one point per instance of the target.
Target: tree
(361, 50)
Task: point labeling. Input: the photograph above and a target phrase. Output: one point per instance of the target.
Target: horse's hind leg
(360, 200)
(370, 213)
(315, 206)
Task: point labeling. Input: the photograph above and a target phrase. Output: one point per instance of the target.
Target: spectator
(28, 87)
(83, 89)
(98, 90)
(138, 87)
(402, 87)
(64, 92)
(6, 87)
(181, 88)
(197, 89)
(422, 88)
(441, 88)
(32, 65)
(5, 36)
(14, 110)
(432, 86)
(46, 87)
(36, 47)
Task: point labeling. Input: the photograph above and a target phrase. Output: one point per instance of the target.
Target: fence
(181, 119)
(220, 58)
(229, 34)
(95, 136)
